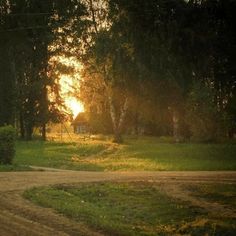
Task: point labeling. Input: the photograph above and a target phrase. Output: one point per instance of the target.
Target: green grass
(223, 193)
(129, 209)
(14, 167)
(56, 154)
(146, 153)
(149, 154)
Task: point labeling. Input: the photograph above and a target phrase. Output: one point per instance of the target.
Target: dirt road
(20, 217)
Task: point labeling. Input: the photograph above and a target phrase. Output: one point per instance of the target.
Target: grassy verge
(146, 153)
(223, 193)
(129, 209)
(14, 167)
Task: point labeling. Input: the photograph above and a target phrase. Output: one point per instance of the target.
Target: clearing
(146, 153)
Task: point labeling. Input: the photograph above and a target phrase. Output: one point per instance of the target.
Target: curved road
(20, 217)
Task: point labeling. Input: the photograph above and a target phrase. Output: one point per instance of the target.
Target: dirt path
(20, 217)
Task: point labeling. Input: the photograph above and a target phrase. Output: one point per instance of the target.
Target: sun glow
(69, 85)
(72, 104)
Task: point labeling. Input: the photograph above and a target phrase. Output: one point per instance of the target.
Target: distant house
(80, 124)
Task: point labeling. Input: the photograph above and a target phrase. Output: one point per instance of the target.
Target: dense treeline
(161, 67)
(167, 66)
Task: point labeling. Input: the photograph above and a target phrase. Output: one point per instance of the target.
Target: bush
(7, 144)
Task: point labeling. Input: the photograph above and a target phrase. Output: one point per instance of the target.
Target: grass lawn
(57, 154)
(14, 167)
(223, 193)
(146, 153)
(130, 209)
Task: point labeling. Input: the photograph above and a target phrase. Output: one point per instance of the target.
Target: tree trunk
(175, 119)
(29, 132)
(117, 137)
(123, 114)
(112, 113)
(44, 138)
(22, 128)
(117, 123)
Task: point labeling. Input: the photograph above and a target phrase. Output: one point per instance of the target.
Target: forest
(155, 67)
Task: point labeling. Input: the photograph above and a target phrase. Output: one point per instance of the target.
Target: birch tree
(108, 56)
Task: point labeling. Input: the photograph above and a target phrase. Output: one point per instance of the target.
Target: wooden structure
(80, 124)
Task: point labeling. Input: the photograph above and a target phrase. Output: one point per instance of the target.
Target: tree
(212, 50)
(178, 43)
(31, 28)
(107, 57)
(7, 78)
(202, 115)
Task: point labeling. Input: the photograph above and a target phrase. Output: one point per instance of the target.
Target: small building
(80, 123)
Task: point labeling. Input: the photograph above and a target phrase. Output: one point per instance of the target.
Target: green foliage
(100, 123)
(178, 42)
(201, 114)
(7, 144)
(28, 30)
(230, 115)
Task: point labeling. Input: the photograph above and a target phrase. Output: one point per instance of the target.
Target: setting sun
(74, 105)
(68, 84)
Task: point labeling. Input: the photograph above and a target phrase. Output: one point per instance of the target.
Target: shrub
(7, 144)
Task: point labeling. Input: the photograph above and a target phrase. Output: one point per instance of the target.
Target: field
(146, 153)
